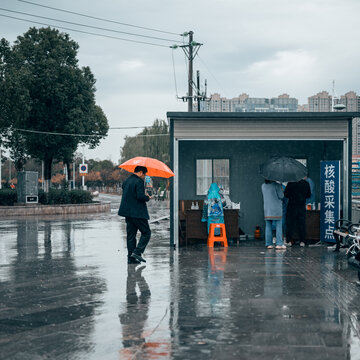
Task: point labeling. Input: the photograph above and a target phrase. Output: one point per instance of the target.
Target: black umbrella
(283, 169)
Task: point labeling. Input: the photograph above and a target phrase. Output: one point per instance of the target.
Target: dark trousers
(295, 221)
(132, 227)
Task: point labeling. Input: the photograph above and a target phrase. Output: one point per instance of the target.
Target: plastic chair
(221, 238)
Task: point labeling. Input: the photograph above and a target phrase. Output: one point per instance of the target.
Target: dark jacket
(297, 193)
(133, 202)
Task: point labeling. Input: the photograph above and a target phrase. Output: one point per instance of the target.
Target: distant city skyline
(320, 102)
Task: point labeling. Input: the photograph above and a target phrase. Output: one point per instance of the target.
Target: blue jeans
(268, 232)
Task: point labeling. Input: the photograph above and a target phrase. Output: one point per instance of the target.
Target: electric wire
(85, 32)
(185, 58)
(98, 18)
(148, 135)
(55, 133)
(87, 135)
(89, 26)
(221, 87)
(173, 62)
(127, 127)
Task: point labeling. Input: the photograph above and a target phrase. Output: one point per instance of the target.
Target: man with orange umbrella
(133, 208)
(133, 202)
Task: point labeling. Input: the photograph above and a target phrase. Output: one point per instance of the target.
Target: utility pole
(83, 161)
(191, 49)
(190, 75)
(42, 175)
(9, 170)
(198, 89)
(74, 175)
(200, 96)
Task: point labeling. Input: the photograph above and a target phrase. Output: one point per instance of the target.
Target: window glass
(209, 171)
(221, 174)
(203, 176)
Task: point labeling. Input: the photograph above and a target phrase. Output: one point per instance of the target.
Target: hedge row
(7, 197)
(54, 197)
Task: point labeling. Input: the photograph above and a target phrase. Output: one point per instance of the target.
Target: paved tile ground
(67, 293)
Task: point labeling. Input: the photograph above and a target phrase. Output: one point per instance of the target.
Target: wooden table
(195, 229)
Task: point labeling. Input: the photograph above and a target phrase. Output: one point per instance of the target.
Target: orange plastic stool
(212, 238)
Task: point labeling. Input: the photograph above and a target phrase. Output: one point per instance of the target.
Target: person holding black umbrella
(297, 193)
(292, 171)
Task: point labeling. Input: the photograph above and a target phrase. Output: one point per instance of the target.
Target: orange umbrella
(155, 167)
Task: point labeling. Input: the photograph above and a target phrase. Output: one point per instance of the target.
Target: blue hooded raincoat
(213, 209)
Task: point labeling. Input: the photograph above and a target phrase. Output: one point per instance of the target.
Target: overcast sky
(259, 47)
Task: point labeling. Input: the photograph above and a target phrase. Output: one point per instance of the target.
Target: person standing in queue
(133, 208)
(297, 193)
(273, 208)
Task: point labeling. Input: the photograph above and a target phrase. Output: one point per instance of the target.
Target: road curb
(63, 209)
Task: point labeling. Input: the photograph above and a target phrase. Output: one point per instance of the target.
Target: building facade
(321, 102)
(200, 157)
(351, 101)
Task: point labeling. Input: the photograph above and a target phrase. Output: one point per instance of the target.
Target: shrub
(80, 197)
(64, 196)
(54, 197)
(8, 197)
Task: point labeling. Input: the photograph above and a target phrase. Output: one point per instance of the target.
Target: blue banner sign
(330, 199)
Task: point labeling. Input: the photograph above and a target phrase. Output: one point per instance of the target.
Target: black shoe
(137, 257)
(133, 261)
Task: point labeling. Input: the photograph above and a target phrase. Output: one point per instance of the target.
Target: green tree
(14, 104)
(59, 97)
(152, 142)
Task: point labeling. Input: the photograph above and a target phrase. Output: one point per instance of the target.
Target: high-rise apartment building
(350, 100)
(356, 136)
(284, 103)
(321, 102)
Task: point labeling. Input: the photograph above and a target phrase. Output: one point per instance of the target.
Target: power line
(89, 26)
(84, 32)
(173, 62)
(79, 135)
(221, 87)
(98, 18)
(146, 135)
(55, 133)
(127, 127)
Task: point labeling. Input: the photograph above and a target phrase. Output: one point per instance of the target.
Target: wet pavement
(68, 293)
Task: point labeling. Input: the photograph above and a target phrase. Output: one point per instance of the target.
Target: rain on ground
(68, 293)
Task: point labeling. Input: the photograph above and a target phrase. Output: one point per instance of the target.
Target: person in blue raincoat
(213, 211)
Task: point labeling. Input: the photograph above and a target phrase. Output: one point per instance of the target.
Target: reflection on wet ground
(68, 293)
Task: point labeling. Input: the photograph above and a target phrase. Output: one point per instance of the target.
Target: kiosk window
(209, 171)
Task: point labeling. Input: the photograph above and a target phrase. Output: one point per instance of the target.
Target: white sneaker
(302, 244)
(274, 240)
(280, 247)
(288, 244)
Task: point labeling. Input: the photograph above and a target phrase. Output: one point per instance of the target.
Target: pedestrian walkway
(68, 293)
